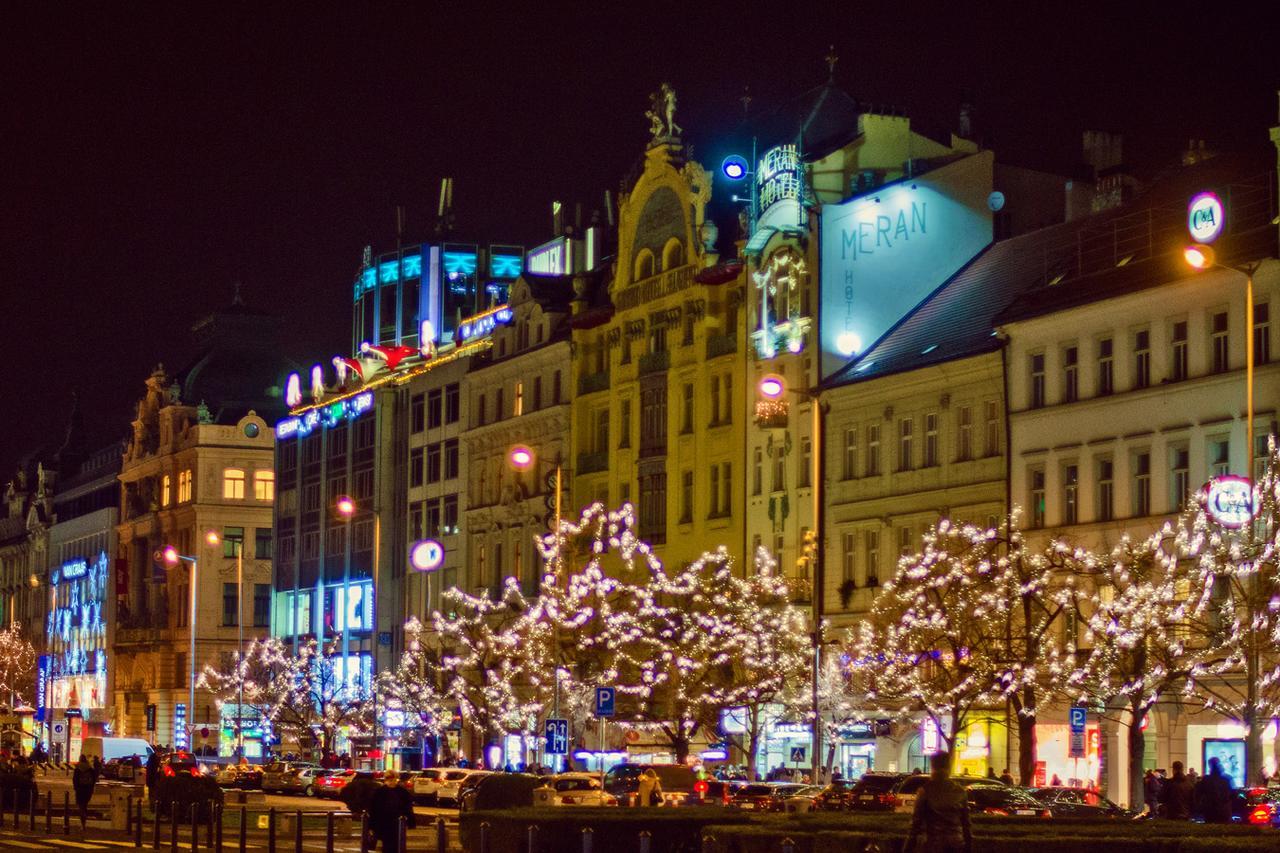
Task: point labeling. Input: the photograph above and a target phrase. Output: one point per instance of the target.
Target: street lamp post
(346, 507)
(214, 539)
(772, 389)
(173, 558)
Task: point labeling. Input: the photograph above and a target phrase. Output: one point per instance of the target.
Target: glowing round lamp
(170, 554)
(427, 555)
(212, 537)
(734, 167)
(848, 343)
(521, 457)
(1198, 256)
(772, 387)
(345, 506)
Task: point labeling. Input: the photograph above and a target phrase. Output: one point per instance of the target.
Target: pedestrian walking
(649, 793)
(83, 780)
(388, 804)
(1176, 795)
(1213, 795)
(942, 811)
(153, 773)
(1151, 791)
(1006, 777)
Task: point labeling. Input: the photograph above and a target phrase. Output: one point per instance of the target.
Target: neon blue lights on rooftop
(505, 266)
(411, 267)
(388, 272)
(460, 263)
(369, 278)
(330, 415)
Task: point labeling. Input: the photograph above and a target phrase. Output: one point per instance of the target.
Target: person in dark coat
(153, 773)
(1176, 795)
(83, 780)
(942, 811)
(1213, 795)
(1151, 791)
(390, 803)
(1006, 777)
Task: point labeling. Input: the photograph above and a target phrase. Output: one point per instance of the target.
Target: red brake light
(1260, 814)
(701, 786)
(996, 811)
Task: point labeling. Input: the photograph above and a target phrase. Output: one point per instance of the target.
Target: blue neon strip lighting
(330, 415)
(505, 266)
(388, 272)
(462, 263)
(411, 267)
(369, 278)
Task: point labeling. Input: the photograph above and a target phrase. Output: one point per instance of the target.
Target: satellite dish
(995, 201)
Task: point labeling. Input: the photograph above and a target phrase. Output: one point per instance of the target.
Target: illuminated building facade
(199, 460)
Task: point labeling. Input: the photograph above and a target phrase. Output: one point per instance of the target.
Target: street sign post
(557, 737)
(1078, 719)
(604, 701)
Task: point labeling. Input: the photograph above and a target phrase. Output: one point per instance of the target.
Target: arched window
(644, 265)
(672, 254)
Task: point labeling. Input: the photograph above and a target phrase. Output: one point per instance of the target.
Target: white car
(447, 788)
(580, 789)
(426, 785)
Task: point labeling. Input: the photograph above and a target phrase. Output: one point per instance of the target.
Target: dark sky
(151, 156)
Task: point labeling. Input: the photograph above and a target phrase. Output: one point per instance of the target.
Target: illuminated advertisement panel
(885, 251)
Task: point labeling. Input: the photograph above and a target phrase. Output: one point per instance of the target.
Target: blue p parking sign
(604, 701)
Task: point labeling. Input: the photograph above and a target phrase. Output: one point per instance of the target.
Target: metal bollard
(173, 826)
(17, 811)
(788, 846)
(709, 844)
(484, 837)
(31, 809)
(66, 812)
(328, 832)
(442, 837)
(195, 827)
(401, 825)
(532, 834)
(271, 830)
(208, 827)
(155, 825)
(364, 833)
(244, 825)
(48, 812)
(645, 838)
(297, 832)
(588, 836)
(137, 826)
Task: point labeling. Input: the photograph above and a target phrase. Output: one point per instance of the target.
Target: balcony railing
(772, 414)
(591, 463)
(593, 382)
(800, 590)
(655, 287)
(652, 362)
(718, 345)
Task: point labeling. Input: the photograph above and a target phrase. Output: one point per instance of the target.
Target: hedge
(614, 830)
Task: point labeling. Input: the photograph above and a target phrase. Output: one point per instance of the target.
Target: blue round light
(734, 167)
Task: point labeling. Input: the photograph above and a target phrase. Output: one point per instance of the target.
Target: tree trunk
(1027, 745)
(752, 739)
(1253, 762)
(1137, 752)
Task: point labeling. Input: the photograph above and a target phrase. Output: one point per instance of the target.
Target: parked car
(276, 776)
(755, 796)
(579, 789)
(303, 781)
(107, 748)
(1256, 806)
(468, 786)
(873, 792)
(498, 791)
(1079, 802)
(905, 792)
(331, 786)
(179, 763)
(244, 776)
(677, 782)
(126, 769)
(714, 792)
(796, 797)
(449, 788)
(835, 796)
(426, 785)
(994, 798)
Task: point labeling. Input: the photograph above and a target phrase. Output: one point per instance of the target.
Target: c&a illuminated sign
(1206, 217)
(1229, 500)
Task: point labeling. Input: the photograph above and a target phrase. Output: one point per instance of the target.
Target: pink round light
(170, 554)
(521, 457)
(345, 506)
(772, 387)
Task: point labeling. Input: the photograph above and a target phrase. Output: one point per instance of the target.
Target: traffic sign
(604, 701)
(797, 754)
(1078, 716)
(557, 737)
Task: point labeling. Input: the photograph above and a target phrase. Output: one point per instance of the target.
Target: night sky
(150, 158)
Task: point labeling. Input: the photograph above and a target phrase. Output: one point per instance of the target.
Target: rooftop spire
(831, 59)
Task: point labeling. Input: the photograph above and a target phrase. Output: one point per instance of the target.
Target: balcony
(653, 362)
(592, 463)
(772, 414)
(800, 590)
(655, 287)
(593, 382)
(718, 345)
(141, 636)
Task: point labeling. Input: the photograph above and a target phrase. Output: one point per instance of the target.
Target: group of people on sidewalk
(1183, 795)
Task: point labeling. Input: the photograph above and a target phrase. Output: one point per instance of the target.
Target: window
(964, 433)
(715, 400)
(537, 393)
(1219, 457)
(1141, 484)
(1070, 494)
(1037, 497)
(264, 485)
(779, 469)
(850, 453)
(433, 517)
(164, 490)
(434, 463)
(415, 467)
(230, 604)
(480, 409)
(686, 410)
(602, 431)
(727, 417)
(262, 543)
(930, 439)
(1106, 490)
(805, 475)
(873, 450)
(1179, 354)
(848, 545)
(906, 444)
(449, 514)
(1070, 374)
(555, 387)
(415, 521)
(233, 484)
(726, 487)
(757, 471)
(1180, 481)
(261, 605)
(499, 397)
(451, 459)
(991, 440)
(1106, 367)
(232, 540)
(517, 404)
(1261, 333)
(435, 408)
(1142, 358)
(1261, 453)
(904, 541)
(653, 507)
(452, 403)
(1218, 342)
(1037, 380)
(417, 413)
(871, 546)
(714, 493)
(686, 496)
(624, 424)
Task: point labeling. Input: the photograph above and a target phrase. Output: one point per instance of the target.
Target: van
(107, 748)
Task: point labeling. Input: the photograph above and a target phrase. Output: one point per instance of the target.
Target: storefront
(248, 724)
(981, 744)
(1225, 741)
(856, 747)
(1054, 758)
